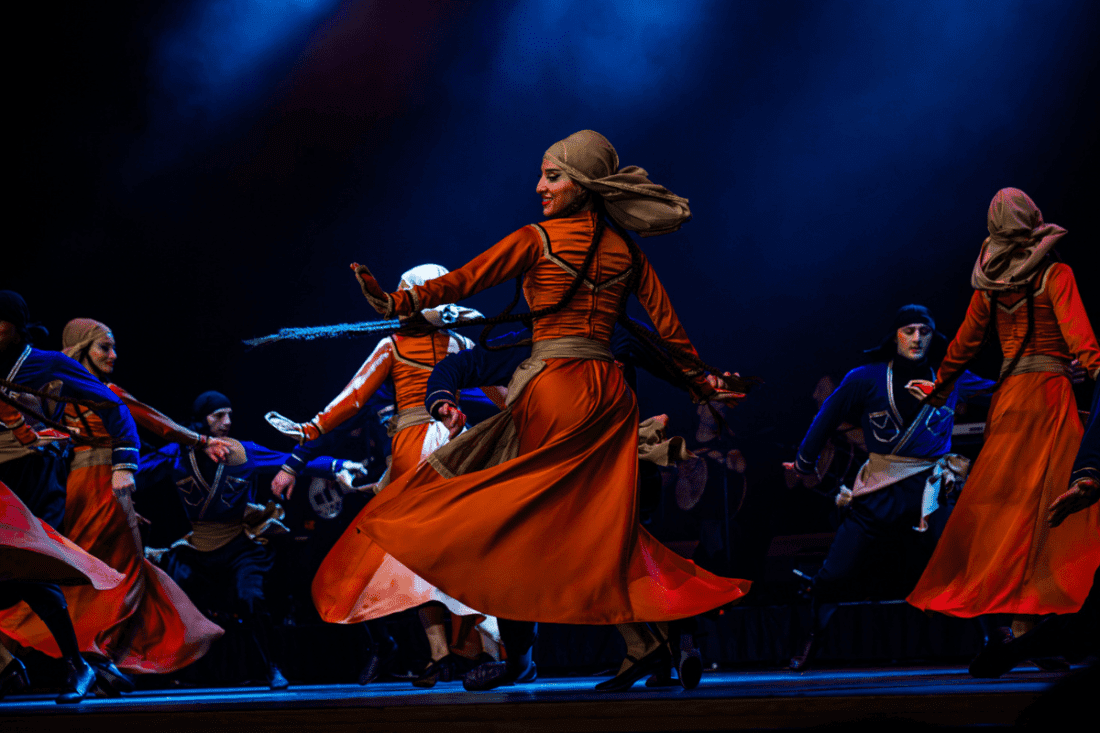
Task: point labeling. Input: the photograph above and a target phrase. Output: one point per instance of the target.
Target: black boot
(80, 682)
(13, 678)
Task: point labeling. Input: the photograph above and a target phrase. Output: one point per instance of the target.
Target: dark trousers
(230, 578)
(870, 520)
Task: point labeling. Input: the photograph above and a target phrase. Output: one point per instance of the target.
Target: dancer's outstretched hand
(283, 483)
(721, 394)
(1081, 495)
(452, 418)
(379, 299)
(217, 449)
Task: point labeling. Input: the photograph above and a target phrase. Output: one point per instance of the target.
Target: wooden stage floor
(885, 698)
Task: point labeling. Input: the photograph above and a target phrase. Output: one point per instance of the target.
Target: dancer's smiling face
(913, 341)
(557, 190)
(102, 353)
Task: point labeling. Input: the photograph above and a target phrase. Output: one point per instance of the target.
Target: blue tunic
(869, 391)
(35, 368)
(219, 492)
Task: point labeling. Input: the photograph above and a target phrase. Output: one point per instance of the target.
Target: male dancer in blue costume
(226, 543)
(910, 468)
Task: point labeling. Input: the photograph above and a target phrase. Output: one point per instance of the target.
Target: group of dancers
(531, 515)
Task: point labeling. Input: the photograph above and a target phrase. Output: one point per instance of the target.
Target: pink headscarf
(1017, 245)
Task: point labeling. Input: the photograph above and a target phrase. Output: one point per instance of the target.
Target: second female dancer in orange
(532, 516)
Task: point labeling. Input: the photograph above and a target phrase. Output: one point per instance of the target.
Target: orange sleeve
(360, 389)
(515, 254)
(1073, 321)
(653, 297)
(967, 341)
(154, 421)
(12, 419)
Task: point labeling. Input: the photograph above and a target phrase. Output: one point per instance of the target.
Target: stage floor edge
(723, 701)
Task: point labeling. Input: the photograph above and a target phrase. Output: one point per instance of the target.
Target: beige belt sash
(407, 418)
(91, 457)
(259, 523)
(495, 441)
(1037, 363)
(881, 470)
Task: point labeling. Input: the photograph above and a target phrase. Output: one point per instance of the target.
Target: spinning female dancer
(147, 623)
(357, 580)
(997, 555)
(532, 516)
(34, 558)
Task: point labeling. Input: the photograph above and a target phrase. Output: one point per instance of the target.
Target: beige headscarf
(79, 334)
(1017, 244)
(631, 199)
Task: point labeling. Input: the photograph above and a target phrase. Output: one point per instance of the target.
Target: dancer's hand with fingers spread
(283, 483)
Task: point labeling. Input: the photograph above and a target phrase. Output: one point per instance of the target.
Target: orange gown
(997, 553)
(146, 623)
(553, 534)
(358, 580)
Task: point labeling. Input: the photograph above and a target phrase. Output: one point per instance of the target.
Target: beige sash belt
(1037, 363)
(881, 470)
(259, 523)
(91, 457)
(495, 441)
(407, 418)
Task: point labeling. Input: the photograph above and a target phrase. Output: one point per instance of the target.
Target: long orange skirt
(32, 550)
(358, 580)
(552, 535)
(997, 553)
(146, 623)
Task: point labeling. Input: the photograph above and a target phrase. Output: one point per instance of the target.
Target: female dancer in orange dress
(147, 623)
(543, 526)
(997, 554)
(34, 559)
(357, 580)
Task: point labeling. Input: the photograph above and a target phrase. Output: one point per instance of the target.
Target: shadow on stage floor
(892, 699)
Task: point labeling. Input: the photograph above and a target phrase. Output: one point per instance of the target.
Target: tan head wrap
(1018, 242)
(79, 334)
(631, 199)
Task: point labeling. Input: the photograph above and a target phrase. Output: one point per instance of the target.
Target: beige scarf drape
(1017, 245)
(631, 199)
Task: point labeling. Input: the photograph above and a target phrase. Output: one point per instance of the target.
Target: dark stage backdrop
(197, 173)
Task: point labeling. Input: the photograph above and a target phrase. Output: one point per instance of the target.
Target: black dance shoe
(379, 660)
(802, 660)
(657, 659)
(80, 682)
(434, 672)
(114, 679)
(275, 678)
(492, 675)
(689, 663)
(13, 678)
(995, 657)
